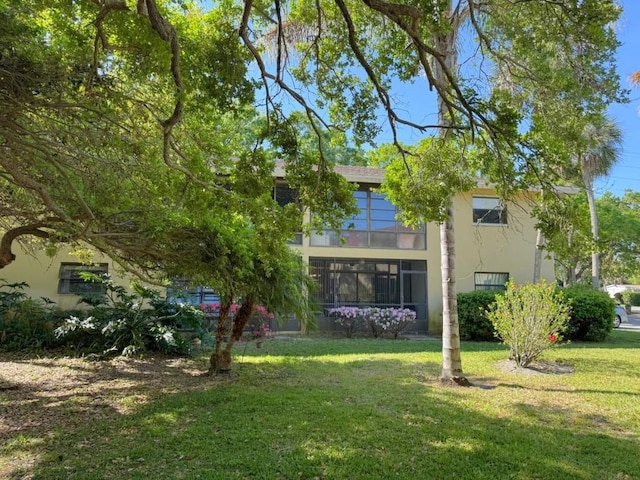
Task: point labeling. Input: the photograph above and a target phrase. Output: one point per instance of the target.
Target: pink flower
(552, 337)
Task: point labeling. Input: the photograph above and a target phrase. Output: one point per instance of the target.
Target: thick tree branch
(6, 255)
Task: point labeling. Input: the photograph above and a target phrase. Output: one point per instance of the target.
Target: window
(489, 210)
(70, 281)
(491, 281)
(345, 281)
(181, 291)
(372, 282)
(375, 226)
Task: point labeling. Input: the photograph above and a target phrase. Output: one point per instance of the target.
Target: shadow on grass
(361, 419)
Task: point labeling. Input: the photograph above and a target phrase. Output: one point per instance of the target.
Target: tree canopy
(124, 121)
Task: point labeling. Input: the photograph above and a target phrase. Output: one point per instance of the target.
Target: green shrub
(529, 318)
(592, 314)
(472, 317)
(125, 323)
(631, 298)
(25, 323)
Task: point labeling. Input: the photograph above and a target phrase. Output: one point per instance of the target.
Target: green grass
(371, 409)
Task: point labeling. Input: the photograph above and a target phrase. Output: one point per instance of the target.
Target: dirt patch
(39, 396)
(33, 388)
(536, 368)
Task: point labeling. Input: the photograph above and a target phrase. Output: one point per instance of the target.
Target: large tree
(542, 69)
(131, 127)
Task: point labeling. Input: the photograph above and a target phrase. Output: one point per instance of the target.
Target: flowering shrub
(349, 318)
(379, 320)
(529, 318)
(389, 320)
(260, 331)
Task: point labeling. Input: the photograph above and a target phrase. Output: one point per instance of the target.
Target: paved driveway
(633, 323)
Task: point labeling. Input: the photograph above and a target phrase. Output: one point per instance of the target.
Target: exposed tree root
(455, 382)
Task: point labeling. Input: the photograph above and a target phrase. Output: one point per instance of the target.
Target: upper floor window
(489, 210)
(491, 280)
(374, 227)
(70, 279)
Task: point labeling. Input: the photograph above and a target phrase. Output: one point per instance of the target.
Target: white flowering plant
(391, 321)
(126, 323)
(388, 320)
(349, 318)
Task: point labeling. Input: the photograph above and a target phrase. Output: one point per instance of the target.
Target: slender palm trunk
(451, 359)
(537, 262)
(595, 256)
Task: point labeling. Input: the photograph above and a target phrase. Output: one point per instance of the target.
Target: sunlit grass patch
(360, 409)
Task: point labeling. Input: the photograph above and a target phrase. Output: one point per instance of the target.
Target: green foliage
(422, 184)
(619, 230)
(631, 298)
(592, 314)
(127, 323)
(529, 318)
(25, 323)
(472, 315)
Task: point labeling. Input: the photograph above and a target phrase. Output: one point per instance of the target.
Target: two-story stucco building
(377, 261)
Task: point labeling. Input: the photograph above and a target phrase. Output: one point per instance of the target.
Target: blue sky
(626, 175)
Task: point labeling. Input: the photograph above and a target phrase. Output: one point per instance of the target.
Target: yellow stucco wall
(41, 273)
(485, 248)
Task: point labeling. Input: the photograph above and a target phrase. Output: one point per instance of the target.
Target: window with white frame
(489, 210)
(70, 279)
(491, 280)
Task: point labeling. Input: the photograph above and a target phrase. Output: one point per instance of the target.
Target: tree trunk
(240, 320)
(451, 359)
(220, 360)
(537, 262)
(595, 256)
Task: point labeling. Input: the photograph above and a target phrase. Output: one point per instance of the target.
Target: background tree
(566, 224)
(604, 140)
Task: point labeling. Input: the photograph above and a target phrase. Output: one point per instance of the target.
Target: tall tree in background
(601, 153)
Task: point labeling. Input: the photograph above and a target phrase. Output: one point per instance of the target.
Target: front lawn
(310, 408)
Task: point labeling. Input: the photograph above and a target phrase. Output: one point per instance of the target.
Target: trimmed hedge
(592, 314)
(474, 324)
